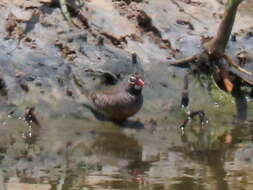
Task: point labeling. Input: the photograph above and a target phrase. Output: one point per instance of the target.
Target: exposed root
(185, 62)
(229, 79)
(232, 63)
(248, 79)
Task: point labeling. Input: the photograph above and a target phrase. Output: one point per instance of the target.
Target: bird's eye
(132, 79)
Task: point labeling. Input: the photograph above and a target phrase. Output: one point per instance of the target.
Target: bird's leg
(202, 118)
(186, 122)
(185, 102)
(191, 115)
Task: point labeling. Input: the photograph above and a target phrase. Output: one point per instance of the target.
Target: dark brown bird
(120, 101)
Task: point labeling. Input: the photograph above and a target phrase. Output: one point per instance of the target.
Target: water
(73, 150)
(67, 153)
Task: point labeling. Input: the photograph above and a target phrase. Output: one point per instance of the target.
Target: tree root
(229, 79)
(185, 62)
(224, 73)
(232, 63)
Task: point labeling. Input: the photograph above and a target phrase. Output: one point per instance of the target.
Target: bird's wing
(112, 90)
(110, 100)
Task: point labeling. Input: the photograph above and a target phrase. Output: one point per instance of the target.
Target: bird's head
(136, 82)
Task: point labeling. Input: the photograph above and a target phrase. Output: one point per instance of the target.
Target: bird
(120, 101)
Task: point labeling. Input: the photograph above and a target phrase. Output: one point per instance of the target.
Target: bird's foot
(191, 115)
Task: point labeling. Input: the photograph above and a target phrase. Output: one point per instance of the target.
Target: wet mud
(50, 140)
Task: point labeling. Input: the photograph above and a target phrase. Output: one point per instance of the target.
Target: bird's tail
(81, 86)
(137, 65)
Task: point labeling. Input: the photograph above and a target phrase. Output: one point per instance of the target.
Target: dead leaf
(228, 85)
(228, 139)
(226, 80)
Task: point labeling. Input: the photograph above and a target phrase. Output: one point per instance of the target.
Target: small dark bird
(118, 102)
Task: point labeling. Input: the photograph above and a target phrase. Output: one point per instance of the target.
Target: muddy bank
(42, 53)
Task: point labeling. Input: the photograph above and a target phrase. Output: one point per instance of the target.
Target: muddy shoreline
(40, 55)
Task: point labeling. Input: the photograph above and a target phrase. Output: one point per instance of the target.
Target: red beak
(140, 82)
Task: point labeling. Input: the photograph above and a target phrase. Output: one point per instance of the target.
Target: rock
(3, 2)
(19, 2)
(22, 15)
(10, 24)
(105, 18)
(31, 4)
(23, 85)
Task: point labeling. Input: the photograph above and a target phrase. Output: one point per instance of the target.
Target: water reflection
(73, 154)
